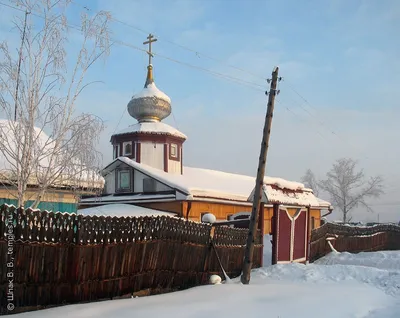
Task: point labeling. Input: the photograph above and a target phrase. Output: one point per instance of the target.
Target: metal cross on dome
(150, 39)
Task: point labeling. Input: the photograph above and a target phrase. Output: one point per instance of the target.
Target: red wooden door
(299, 237)
(291, 236)
(283, 238)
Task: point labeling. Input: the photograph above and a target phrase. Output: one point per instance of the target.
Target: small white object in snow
(215, 279)
(209, 218)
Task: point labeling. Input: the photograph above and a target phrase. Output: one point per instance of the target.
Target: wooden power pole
(248, 256)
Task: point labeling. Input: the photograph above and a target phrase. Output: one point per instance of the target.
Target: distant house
(62, 195)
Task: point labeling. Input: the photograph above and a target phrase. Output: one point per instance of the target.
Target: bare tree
(44, 141)
(349, 188)
(310, 181)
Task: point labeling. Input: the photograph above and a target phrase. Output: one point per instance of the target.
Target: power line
(288, 109)
(323, 124)
(233, 79)
(196, 52)
(122, 43)
(119, 121)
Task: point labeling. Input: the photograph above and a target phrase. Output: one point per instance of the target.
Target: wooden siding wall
(49, 196)
(53, 200)
(220, 210)
(138, 182)
(354, 239)
(316, 214)
(174, 166)
(223, 210)
(173, 206)
(62, 258)
(152, 154)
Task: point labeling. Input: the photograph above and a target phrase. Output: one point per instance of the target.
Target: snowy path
(337, 286)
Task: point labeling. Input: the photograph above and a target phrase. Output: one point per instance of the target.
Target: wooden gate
(291, 237)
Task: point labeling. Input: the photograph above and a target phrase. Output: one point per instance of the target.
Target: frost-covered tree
(43, 140)
(349, 188)
(310, 181)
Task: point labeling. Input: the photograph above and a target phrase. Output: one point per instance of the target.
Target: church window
(124, 183)
(174, 150)
(127, 146)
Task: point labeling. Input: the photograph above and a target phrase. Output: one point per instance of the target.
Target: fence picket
(354, 239)
(68, 258)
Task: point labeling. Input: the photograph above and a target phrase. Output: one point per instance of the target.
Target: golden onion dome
(151, 104)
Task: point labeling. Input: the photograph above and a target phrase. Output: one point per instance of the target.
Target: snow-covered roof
(124, 210)
(138, 198)
(151, 90)
(273, 194)
(204, 183)
(44, 144)
(324, 203)
(156, 127)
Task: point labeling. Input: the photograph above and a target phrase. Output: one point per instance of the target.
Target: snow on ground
(267, 253)
(389, 260)
(365, 285)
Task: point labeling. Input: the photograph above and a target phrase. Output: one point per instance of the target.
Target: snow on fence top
(49, 227)
(211, 184)
(152, 128)
(345, 230)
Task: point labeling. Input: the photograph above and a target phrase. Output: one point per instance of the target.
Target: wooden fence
(56, 258)
(354, 239)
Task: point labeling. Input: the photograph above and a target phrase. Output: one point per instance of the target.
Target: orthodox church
(148, 171)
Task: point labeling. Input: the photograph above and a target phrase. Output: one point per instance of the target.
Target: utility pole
(248, 256)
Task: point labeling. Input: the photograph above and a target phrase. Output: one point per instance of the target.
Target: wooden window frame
(178, 152)
(124, 144)
(118, 189)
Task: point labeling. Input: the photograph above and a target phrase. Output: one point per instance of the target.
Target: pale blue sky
(343, 57)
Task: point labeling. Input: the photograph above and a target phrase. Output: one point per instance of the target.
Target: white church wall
(174, 166)
(138, 183)
(110, 182)
(152, 155)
